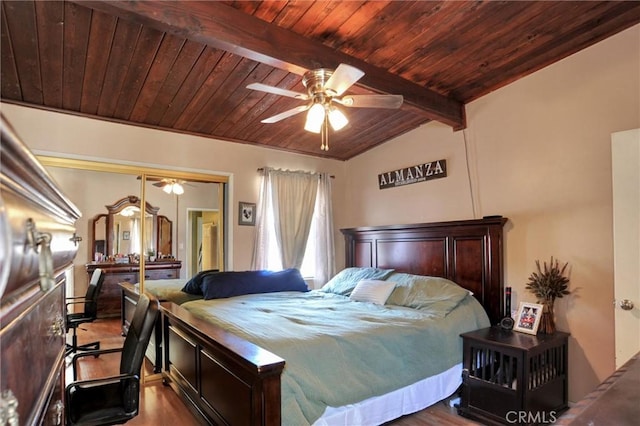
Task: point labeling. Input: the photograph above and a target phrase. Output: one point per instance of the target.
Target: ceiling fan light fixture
(337, 119)
(324, 87)
(315, 118)
(172, 187)
(177, 189)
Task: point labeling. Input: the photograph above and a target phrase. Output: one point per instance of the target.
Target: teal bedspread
(338, 351)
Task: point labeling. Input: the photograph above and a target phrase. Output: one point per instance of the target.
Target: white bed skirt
(406, 400)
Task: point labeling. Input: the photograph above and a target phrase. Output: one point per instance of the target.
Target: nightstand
(514, 378)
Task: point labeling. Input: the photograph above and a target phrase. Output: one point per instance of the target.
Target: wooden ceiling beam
(220, 26)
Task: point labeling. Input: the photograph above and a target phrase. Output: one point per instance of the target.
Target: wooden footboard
(225, 379)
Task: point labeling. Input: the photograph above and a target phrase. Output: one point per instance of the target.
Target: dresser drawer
(109, 299)
(163, 274)
(32, 352)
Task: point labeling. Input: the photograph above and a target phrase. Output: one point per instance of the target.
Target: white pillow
(374, 291)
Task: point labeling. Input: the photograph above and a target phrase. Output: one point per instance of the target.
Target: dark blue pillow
(237, 283)
(194, 285)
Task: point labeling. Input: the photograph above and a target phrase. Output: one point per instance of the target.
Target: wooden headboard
(468, 252)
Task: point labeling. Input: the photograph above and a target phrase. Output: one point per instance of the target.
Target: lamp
(315, 118)
(173, 187)
(178, 189)
(320, 115)
(337, 118)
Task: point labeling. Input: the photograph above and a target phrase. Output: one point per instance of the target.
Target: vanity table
(113, 238)
(115, 273)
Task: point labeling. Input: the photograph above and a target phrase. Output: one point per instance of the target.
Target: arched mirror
(165, 235)
(117, 233)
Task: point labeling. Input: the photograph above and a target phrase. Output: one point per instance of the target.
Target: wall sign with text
(414, 174)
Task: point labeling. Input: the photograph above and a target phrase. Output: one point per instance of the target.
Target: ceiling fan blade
(372, 101)
(277, 91)
(286, 114)
(159, 184)
(342, 78)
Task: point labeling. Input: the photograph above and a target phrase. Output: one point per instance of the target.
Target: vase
(547, 320)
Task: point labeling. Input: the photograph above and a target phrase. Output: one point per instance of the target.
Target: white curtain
(293, 198)
(325, 248)
(134, 238)
(261, 246)
(287, 204)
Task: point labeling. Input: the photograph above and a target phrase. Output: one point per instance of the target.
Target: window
(291, 202)
(274, 261)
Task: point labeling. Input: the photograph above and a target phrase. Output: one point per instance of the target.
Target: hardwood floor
(159, 405)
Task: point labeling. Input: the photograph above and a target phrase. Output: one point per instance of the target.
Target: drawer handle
(8, 409)
(58, 326)
(127, 279)
(75, 239)
(40, 242)
(147, 276)
(56, 413)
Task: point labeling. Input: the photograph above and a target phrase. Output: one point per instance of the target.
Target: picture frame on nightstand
(528, 318)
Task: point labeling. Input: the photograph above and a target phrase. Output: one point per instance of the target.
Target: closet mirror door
(169, 241)
(195, 241)
(92, 191)
(204, 225)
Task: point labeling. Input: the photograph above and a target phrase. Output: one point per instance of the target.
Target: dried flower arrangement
(548, 284)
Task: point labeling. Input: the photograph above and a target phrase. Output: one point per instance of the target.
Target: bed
(229, 373)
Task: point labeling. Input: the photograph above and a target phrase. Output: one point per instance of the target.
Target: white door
(625, 150)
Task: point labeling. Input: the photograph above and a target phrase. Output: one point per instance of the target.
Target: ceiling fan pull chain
(325, 135)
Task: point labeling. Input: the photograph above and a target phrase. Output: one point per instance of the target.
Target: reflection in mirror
(123, 230)
(192, 195)
(93, 190)
(99, 235)
(204, 230)
(165, 235)
(90, 191)
(201, 219)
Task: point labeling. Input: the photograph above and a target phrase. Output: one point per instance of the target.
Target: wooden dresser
(109, 300)
(37, 247)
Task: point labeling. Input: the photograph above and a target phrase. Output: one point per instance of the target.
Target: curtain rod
(260, 169)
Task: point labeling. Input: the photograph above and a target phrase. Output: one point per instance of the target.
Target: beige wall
(68, 135)
(540, 154)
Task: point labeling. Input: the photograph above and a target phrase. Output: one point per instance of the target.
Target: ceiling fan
(325, 88)
(171, 186)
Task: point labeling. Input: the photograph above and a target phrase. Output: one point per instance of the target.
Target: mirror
(165, 232)
(118, 231)
(92, 185)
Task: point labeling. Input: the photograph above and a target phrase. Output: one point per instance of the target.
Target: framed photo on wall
(528, 318)
(125, 235)
(246, 213)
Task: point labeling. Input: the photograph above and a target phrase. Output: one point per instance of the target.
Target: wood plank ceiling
(184, 66)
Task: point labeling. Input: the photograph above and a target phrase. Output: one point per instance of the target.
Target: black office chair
(90, 301)
(114, 400)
